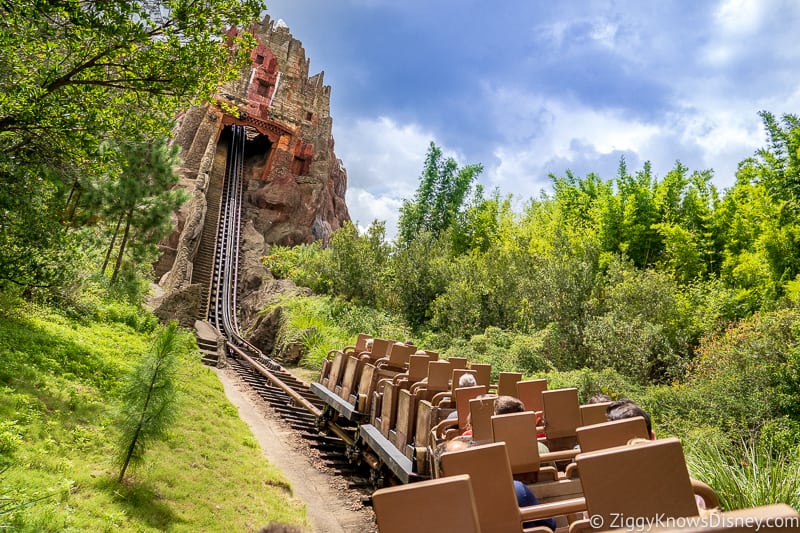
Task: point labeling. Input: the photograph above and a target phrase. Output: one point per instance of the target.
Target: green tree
(440, 196)
(76, 76)
(141, 200)
(150, 397)
(357, 262)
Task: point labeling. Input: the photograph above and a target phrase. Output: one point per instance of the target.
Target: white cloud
(382, 155)
(542, 130)
(384, 160)
(365, 207)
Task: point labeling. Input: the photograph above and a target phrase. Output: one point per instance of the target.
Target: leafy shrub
(304, 264)
(317, 324)
(10, 440)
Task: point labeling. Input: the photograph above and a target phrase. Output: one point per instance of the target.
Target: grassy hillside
(59, 377)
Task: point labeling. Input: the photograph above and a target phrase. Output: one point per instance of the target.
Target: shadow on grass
(141, 502)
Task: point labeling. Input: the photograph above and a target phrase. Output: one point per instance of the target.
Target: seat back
(366, 384)
(518, 431)
(481, 411)
(380, 348)
(507, 383)
(389, 407)
(530, 393)
(399, 355)
(417, 368)
(643, 480)
(561, 412)
(463, 396)
(492, 484)
(405, 419)
(361, 343)
(483, 373)
(427, 506)
(594, 413)
(439, 375)
(433, 355)
(337, 368)
(352, 372)
(611, 434)
(458, 362)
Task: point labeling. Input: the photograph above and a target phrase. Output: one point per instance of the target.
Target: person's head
(599, 398)
(368, 345)
(467, 380)
(622, 409)
(508, 404)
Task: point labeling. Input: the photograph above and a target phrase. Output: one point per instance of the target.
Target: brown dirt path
(331, 506)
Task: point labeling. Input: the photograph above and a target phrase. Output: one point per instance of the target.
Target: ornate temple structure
(294, 186)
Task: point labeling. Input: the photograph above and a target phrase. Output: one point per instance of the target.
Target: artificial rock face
(294, 186)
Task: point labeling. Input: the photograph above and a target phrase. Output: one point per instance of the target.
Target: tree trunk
(122, 247)
(111, 247)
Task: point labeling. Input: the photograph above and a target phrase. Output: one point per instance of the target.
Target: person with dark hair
(504, 405)
(622, 409)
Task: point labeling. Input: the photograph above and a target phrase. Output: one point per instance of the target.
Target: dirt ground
(332, 507)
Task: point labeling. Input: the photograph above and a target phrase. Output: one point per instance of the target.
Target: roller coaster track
(291, 398)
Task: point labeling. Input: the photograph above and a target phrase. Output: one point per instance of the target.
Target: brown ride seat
(483, 373)
(360, 346)
(507, 383)
(594, 413)
(435, 506)
(458, 362)
(518, 431)
(352, 373)
(336, 369)
(530, 393)
(637, 481)
(562, 417)
(493, 486)
(481, 411)
(408, 399)
(611, 434)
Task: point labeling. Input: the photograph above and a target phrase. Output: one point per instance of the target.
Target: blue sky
(529, 88)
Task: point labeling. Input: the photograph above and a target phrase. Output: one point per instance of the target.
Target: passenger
(622, 409)
(466, 380)
(525, 497)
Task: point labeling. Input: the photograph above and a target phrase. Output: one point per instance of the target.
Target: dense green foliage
(661, 290)
(88, 96)
(60, 383)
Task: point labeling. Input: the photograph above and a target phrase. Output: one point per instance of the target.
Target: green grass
(58, 380)
(748, 474)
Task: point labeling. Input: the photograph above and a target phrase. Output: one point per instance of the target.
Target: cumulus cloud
(366, 207)
(382, 155)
